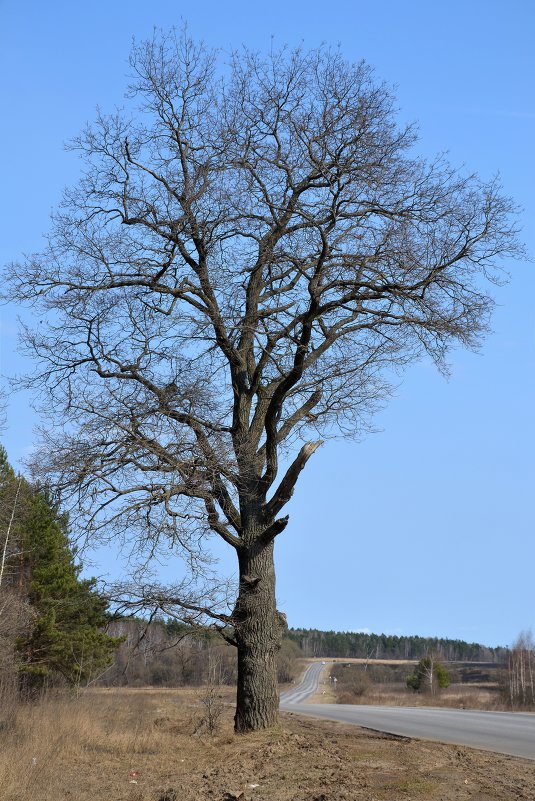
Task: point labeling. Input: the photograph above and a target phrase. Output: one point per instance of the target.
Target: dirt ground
(140, 745)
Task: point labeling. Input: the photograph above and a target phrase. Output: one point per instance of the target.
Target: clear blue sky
(427, 526)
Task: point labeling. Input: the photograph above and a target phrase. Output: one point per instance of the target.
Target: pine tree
(14, 612)
(430, 676)
(63, 634)
(67, 637)
(12, 491)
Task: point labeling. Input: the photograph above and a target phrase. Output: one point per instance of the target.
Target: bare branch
(247, 259)
(285, 490)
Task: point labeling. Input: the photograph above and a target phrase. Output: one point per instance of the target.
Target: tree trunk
(258, 632)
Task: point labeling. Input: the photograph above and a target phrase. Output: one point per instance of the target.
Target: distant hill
(347, 644)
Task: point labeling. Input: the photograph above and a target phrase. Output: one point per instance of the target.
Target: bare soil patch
(141, 746)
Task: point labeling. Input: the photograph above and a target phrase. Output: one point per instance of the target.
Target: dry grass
(138, 745)
(473, 695)
(457, 696)
(67, 737)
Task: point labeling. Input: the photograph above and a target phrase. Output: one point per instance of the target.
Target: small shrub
(430, 676)
(210, 698)
(360, 685)
(212, 709)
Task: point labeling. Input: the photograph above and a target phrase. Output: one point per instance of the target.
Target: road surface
(307, 687)
(502, 732)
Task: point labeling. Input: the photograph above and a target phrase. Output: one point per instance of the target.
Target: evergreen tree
(67, 637)
(63, 634)
(430, 675)
(12, 493)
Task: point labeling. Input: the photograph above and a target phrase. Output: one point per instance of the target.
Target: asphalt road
(307, 687)
(502, 732)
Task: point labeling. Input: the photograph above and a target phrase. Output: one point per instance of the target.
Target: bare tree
(3, 410)
(249, 258)
(521, 671)
(4, 548)
(15, 618)
(14, 493)
(15, 612)
(210, 697)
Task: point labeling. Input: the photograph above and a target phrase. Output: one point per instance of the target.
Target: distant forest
(171, 654)
(350, 644)
(168, 653)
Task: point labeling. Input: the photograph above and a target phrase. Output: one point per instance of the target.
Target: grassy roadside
(123, 745)
(383, 682)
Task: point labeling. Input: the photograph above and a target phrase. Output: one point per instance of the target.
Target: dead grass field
(136, 745)
(475, 695)
(457, 696)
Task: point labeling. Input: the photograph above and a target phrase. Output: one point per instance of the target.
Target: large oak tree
(251, 254)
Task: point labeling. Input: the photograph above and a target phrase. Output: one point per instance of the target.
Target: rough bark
(258, 637)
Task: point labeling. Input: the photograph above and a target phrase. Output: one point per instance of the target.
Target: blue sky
(427, 526)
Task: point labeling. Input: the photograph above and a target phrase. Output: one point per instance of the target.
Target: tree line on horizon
(168, 653)
(363, 645)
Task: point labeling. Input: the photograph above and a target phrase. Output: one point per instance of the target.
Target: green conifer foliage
(64, 633)
(67, 637)
(430, 676)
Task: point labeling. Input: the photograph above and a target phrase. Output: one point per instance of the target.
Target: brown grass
(457, 696)
(135, 745)
(67, 737)
(473, 695)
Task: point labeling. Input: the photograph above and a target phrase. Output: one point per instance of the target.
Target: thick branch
(284, 491)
